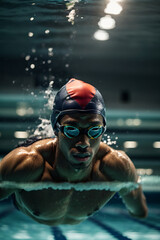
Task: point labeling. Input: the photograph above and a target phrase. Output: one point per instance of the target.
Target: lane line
(57, 233)
(143, 222)
(109, 229)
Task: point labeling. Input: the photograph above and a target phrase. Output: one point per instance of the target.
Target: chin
(81, 165)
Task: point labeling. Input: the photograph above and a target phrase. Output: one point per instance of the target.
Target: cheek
(64, 143)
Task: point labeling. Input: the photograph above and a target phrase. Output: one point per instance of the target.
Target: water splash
(110, 140)
(70, 6)
(49, 95)
(71, 16)
(44, 129)
(148, 183)
(87, 186)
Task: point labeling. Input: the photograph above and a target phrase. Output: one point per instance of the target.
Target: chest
(52, 204)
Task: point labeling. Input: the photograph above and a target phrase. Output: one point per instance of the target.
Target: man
(75, 155)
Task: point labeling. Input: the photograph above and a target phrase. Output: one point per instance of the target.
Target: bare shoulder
(45, 147)
(117, 165)
(26, 163)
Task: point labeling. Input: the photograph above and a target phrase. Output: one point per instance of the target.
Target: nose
(83, 142)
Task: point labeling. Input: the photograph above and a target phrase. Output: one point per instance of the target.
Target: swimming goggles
(71, 131)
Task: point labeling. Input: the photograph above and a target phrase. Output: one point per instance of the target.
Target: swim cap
(77, 96)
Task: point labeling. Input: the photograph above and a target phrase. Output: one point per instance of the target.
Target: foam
(149, 183)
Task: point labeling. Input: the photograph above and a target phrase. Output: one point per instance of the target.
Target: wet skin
(79, 159)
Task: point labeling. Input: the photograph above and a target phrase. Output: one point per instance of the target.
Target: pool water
(111, 222)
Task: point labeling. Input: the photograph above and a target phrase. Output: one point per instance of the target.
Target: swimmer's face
(80, 150)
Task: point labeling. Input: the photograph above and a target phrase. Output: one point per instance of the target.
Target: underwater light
(113, 8)
(101, 35)
(130, 144)
(156, 144)
(107, 22)
(22, 111)
(144, 171)
(133, 122)
(21, 134)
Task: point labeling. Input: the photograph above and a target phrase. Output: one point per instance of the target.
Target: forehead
(82, 118)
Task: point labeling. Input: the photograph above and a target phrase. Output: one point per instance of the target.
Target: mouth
(82, 157)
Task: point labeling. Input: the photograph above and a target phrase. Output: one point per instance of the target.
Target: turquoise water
(112, 222)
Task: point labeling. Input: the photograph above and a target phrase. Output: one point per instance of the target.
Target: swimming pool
(111, 222)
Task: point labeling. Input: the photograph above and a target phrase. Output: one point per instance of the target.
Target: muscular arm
(135, 202)
(23, 164)
(120, 168)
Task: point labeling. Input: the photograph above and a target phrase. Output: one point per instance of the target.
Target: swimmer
(75, 155)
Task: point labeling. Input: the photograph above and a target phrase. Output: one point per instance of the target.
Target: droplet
(32, 66)
(50, 54)
(27, 57)
(50, 49)
(30, 34)
(33, 50)
(47, 31)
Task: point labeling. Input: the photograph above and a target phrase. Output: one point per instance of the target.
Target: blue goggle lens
(70, 131)
(93, 132)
